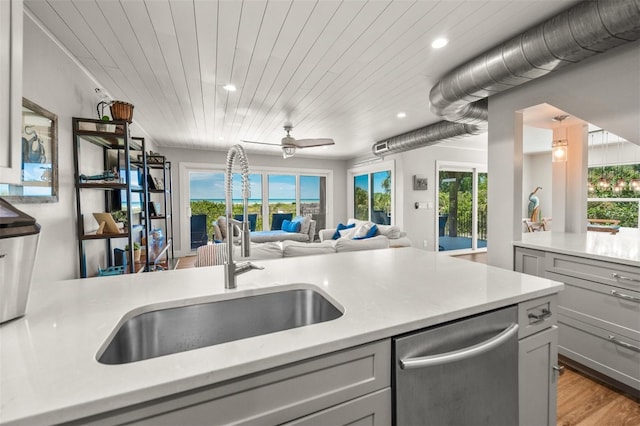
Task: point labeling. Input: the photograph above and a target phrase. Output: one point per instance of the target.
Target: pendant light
(621, 183)
(590, 186)
(603, 182)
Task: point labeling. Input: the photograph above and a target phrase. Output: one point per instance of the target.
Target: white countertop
(49, 372)
(623, 247)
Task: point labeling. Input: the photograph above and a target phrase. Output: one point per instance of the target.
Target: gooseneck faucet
(232, 269)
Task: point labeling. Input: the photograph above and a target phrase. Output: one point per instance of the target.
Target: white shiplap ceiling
(336, 69)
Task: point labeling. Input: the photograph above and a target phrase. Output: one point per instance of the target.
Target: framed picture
(39, 180)
(158, 183)
(420, 183)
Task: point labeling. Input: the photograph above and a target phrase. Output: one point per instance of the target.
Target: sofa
(392, 233)
(305, 233)
(215, 254)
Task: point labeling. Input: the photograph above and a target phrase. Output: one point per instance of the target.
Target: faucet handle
(243, 267)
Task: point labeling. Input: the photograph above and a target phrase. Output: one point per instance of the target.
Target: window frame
(369, 169)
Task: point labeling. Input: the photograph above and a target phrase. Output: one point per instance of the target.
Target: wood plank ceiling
(337, 69)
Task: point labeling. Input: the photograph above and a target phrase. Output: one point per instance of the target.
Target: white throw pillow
(362, 230)
(348, 233)
(305, 222)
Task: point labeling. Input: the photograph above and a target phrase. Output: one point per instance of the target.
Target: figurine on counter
(107, 175)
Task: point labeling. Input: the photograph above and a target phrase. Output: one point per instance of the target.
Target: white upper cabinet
(10, 90)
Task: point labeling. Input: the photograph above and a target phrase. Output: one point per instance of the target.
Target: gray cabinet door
(538, 378)
(10, 90)
(529, 261)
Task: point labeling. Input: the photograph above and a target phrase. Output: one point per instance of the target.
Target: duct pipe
(587, 29)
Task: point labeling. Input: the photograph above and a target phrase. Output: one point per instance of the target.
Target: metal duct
(579, 32)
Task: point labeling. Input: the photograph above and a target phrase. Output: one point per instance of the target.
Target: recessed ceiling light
(229, 87)
(439, 42)
(220, 138)
(401, 115)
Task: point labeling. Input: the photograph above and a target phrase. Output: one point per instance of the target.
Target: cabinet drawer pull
(625, 296)
(558, 369)
(539, 317)
(619, 342)
(622, 277)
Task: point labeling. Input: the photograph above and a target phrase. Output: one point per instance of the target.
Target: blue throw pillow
(289, 226)
(370, 233)
(341, 227)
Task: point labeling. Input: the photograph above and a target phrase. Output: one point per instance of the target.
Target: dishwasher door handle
(460, 354)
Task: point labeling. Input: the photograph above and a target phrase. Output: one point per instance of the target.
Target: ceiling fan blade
(260, 143)
(308, 143)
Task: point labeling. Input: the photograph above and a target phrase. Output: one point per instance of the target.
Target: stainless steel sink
(179, 329)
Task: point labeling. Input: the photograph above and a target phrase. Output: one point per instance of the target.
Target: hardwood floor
(581, 401)
(584, 402)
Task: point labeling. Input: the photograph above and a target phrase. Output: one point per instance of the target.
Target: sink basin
(171, 330)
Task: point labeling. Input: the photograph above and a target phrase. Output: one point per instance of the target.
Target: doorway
(462, 207)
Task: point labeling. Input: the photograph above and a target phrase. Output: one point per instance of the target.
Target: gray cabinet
(537, 361)
(340, 388)
(599, 317)
(598, 313)
(538, 376)
(10, 90)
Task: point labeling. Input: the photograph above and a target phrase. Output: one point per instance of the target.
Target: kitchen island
(50, 373)
(599, 311)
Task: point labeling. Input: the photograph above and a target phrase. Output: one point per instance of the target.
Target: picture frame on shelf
(158, 183)
(151, 182)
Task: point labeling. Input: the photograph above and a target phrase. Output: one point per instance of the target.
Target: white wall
(603, 90)
(177, 156)
(53, 81)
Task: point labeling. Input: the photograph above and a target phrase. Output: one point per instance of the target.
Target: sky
(207, 185)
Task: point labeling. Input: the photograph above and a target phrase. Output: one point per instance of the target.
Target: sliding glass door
(372, 194)
(462, 208)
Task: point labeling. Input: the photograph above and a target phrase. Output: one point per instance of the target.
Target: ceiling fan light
(288, 151)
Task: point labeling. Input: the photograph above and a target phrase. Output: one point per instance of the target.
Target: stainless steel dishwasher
(461, 373)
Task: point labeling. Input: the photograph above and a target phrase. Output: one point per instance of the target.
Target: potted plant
(136, 251)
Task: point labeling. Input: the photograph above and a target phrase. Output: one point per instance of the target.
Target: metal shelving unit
(106, 135)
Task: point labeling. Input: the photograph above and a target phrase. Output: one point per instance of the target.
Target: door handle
(625, 296)
(460, 354)
(623, 278)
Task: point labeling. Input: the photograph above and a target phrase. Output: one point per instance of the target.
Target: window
(271, 192)
(372, 194)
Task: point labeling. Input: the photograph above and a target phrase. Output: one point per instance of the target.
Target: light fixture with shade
(603, 182)
(288, 151)
(590, 186)
(559, 147)
(559, 150)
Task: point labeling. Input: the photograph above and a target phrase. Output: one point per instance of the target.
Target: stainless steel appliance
(19, 236)
(461, 373)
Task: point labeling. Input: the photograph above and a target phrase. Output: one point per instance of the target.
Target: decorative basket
(122, 111)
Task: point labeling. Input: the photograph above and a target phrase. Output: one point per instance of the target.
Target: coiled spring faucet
(232, 269)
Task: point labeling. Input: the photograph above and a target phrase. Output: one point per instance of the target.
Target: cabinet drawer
(369, 410)
(614, 274)
(620, 307)
(273, 397)
(600, 350)
(536, 315)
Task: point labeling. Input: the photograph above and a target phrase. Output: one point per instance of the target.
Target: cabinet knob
(558, 369)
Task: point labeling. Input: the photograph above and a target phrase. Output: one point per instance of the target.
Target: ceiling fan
(290, 144)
